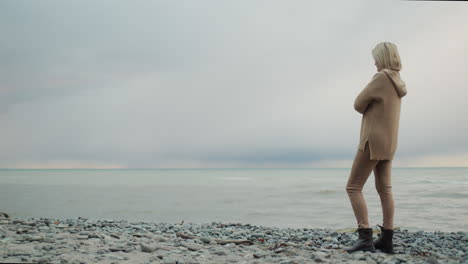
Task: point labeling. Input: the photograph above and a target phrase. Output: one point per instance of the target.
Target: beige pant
(362, 168)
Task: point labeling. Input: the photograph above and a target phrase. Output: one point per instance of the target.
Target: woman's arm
(371, 92)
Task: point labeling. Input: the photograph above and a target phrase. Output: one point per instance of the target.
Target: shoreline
(79, 240)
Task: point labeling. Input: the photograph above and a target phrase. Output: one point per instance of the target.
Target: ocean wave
(452, 182)
(237, 178)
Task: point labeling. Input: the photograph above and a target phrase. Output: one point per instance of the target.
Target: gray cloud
(210, 83)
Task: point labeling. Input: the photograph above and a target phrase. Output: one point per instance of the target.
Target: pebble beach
(76, 241)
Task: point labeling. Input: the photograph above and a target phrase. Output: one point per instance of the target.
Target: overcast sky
(184, 84)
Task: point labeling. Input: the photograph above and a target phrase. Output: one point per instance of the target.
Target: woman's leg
(383, 173)
(360, 171)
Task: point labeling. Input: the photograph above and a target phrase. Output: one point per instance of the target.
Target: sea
(426, 199)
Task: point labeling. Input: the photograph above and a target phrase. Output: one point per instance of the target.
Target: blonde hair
(386, 54)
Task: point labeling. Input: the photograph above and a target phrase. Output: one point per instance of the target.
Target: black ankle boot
(364, 242)
(384, 242)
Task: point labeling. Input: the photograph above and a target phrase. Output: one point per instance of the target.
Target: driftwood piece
(219, 241)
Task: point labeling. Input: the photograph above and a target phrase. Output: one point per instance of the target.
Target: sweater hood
(398, 83)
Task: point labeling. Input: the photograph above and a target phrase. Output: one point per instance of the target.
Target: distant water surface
(425, 198)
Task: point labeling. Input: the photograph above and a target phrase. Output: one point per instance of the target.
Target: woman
(380, 103)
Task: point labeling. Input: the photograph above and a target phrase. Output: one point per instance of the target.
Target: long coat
(380, 104)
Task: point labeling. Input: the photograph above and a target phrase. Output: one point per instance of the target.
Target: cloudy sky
(185, 84)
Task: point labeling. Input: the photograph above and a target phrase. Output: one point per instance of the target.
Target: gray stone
(258, 235)
(47, 247)
(43, 228)
(319, 256)
(318, 259)
(148, 248)
(34, 238)
(30, 223)
(17, 221)
(464, 259)
(389, 260)
(432, 260)
(291, 244)
(115, 257)
(61, 236)
(220, 252)
(279, 250)
(21, 231)
(190, 246)
(163, 239)
(358, 256)
(205, 240)
(101, 251)
(369, 260)
(95, 235)
(49, 240)
(43, 260)
(119, 248)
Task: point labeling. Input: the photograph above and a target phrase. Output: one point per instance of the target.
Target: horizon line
(214, 168)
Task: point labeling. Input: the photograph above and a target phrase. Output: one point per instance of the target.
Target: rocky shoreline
(46, 240)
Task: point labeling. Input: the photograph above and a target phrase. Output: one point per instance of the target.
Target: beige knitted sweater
(380, 104)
